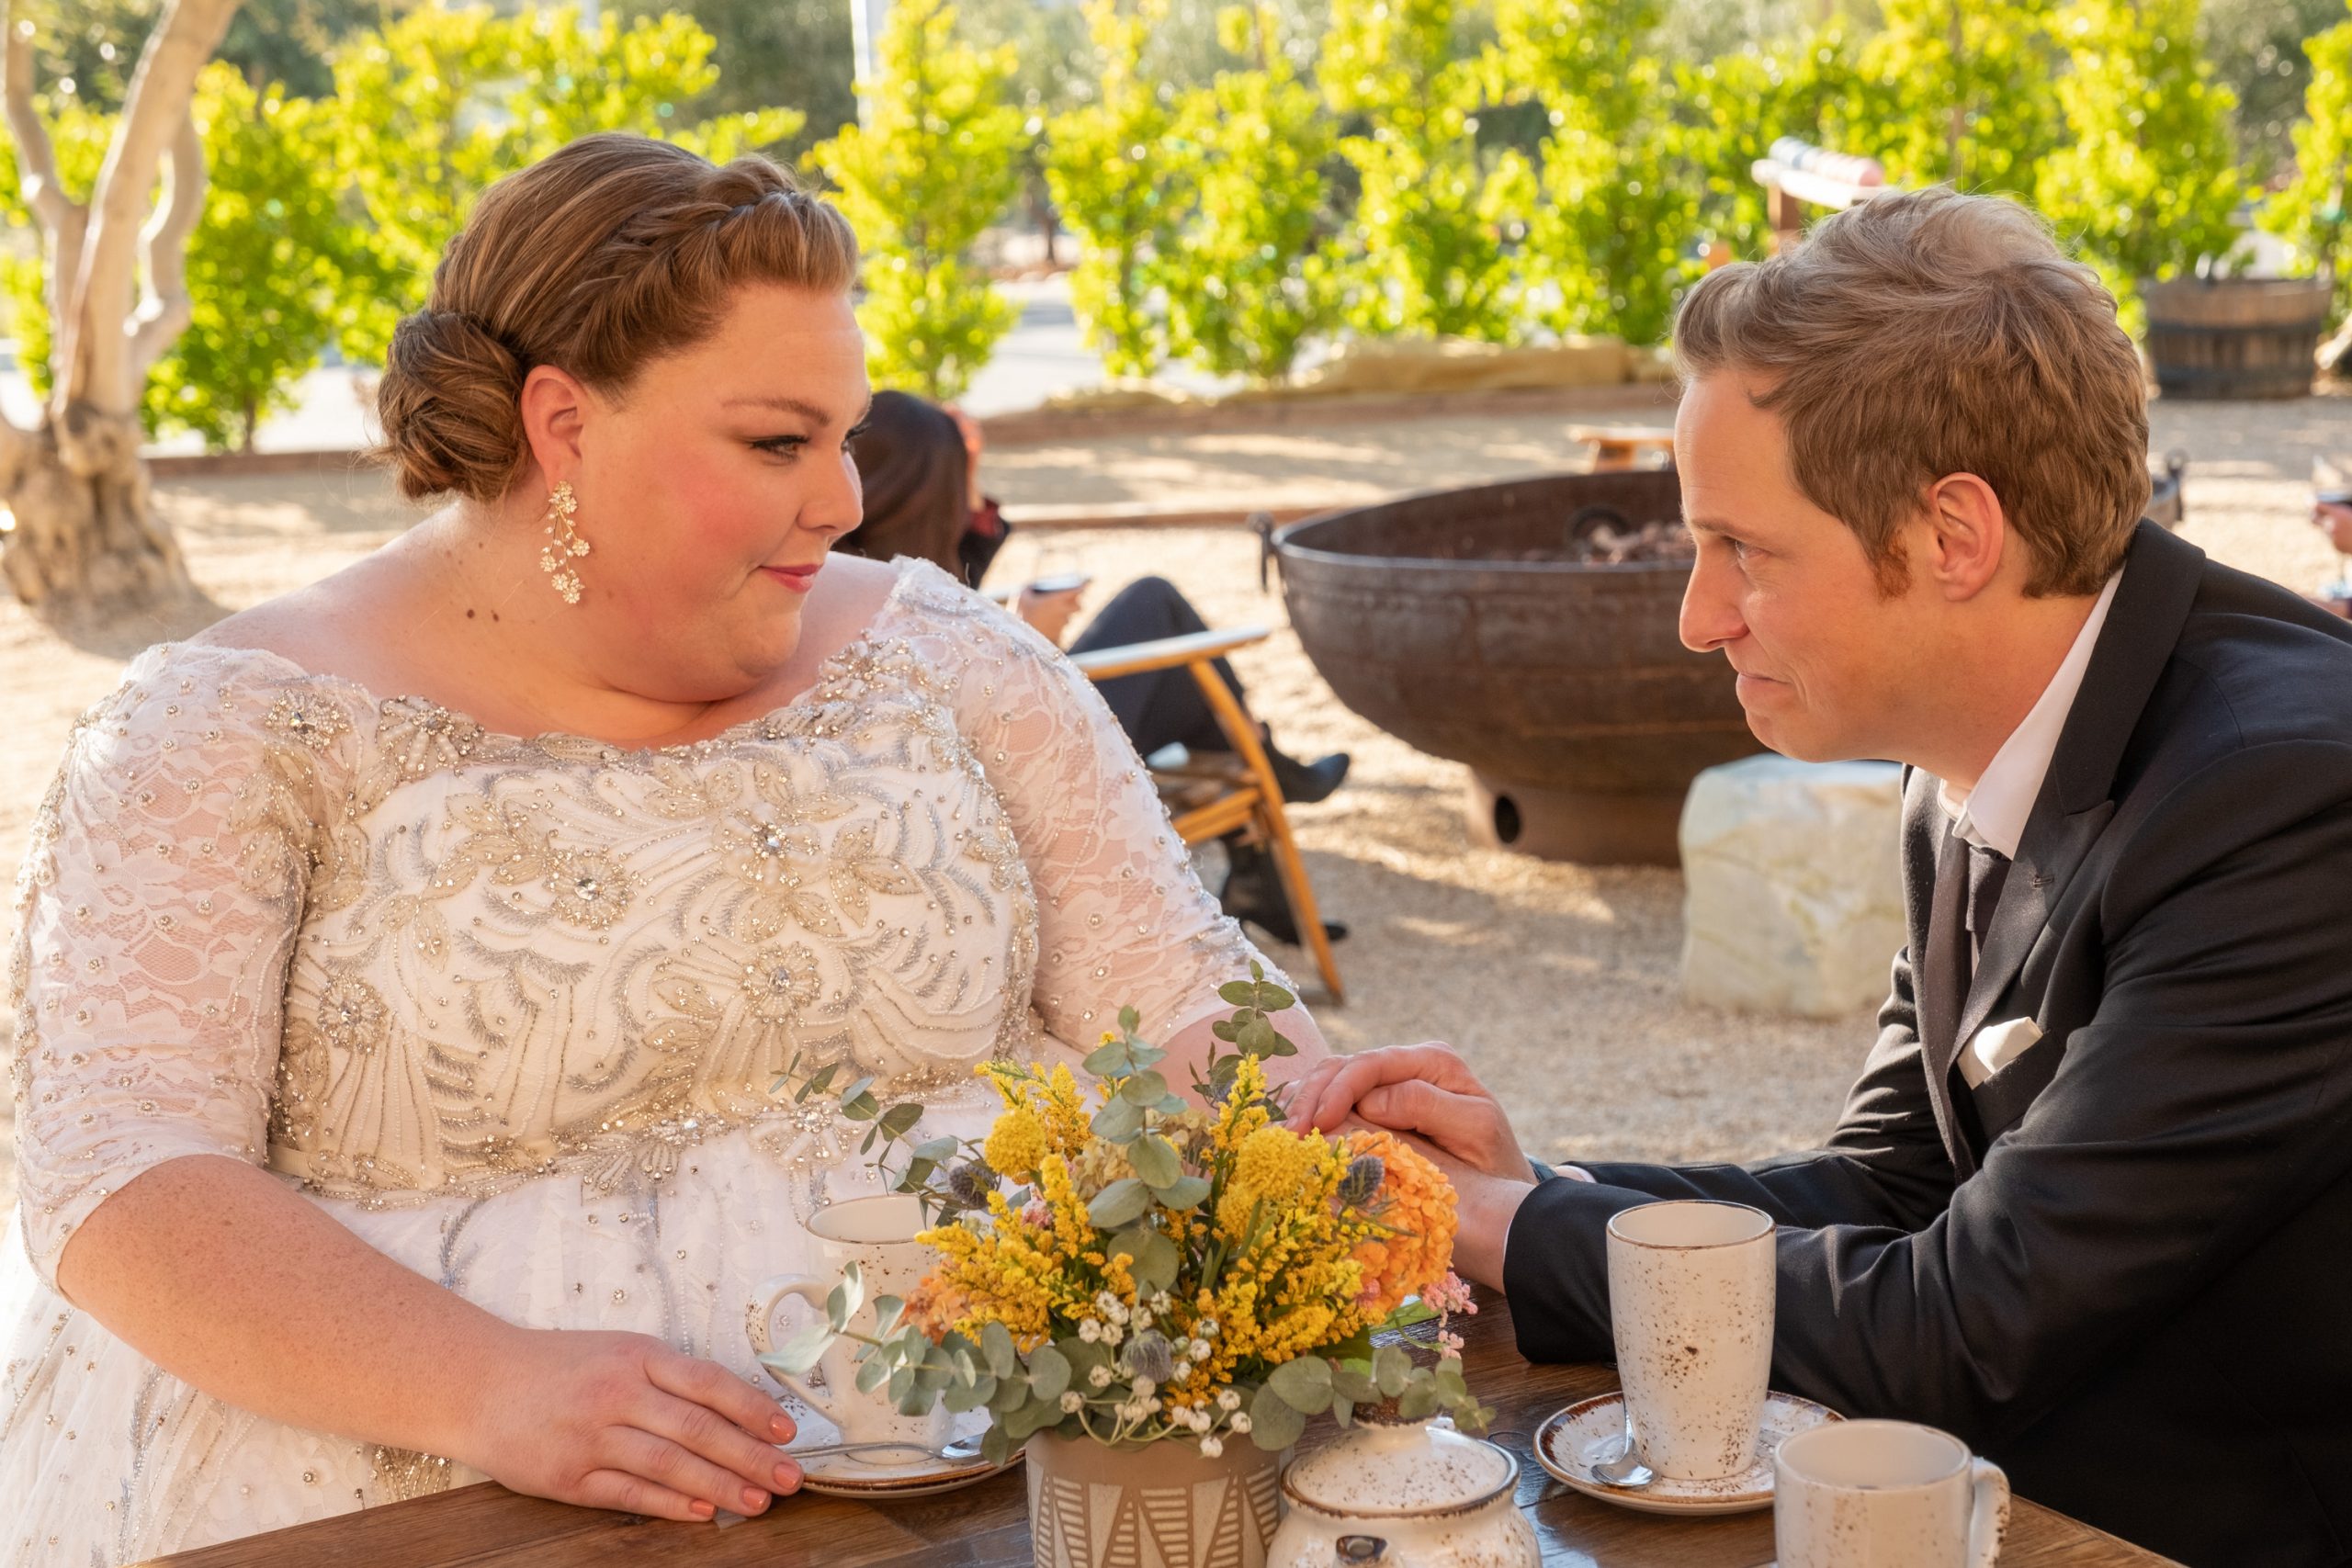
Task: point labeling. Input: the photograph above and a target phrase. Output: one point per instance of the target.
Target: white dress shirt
(1993, 815)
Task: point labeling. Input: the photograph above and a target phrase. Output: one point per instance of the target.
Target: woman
(920, 467)
(405, 965)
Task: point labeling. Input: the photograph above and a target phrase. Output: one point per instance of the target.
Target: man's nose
(1710, 616)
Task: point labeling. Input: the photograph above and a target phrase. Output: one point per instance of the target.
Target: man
(2090, 1204)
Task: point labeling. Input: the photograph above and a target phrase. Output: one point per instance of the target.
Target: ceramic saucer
(879, 1473)
(1571, 1441)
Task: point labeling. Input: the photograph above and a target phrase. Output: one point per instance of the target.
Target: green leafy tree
(936, 163)
(93, 44)
(790, 53)
(2308, 213)
(263, 266)
(2256, 48)
(2147, 180)
(1736, 105)
(1962, 91)
(434, 107)
(1108, 164)
(1609, 243)
(1430, 218)
(1251, 278)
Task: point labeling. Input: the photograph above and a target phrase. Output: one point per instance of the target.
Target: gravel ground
(1558, 982)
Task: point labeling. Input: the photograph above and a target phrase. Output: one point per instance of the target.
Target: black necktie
(1987, 871)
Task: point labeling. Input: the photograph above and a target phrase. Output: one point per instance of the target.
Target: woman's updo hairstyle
(611, 252)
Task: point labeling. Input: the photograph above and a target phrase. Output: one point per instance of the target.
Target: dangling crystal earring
(563, 542)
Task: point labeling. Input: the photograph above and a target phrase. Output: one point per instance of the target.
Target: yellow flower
(1274, 1168)
(1017, 1145)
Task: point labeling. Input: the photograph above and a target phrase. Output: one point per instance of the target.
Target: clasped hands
(1428, 1094)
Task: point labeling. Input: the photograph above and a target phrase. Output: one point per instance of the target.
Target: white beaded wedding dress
(512, 1009)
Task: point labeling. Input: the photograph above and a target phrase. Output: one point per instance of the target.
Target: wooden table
(987, 1525)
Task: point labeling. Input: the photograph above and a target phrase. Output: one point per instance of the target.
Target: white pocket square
(1994, 1047)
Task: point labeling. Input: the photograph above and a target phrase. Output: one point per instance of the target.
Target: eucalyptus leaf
(1343, 1412)
(996, 1344)
(872, 1373)
(1354, 1386)
(1129, 1021)
(1144, 1088)
(1108, 1061)
(1451, 1385)
(887, 1310)
(900, 1120)
(1274, 998)
(1224, 1029)
(995, 1447)
(1417, 1403)
(1305, 1384)
(1122, 1200)
(844, 1299)
(1155, 1159)
(1011, 1394)
(1392, 1370)
(1274, 1423)
(1240, 993)
(902, 1383)
(966, 1370)
(861, 1107)
(937, 1150)
(1146, 1055)
(1257, 1037)
(800, 1352)
(1184, 1192)
(1118, 1121)
(1155, 1259)
(960, 1398)
(1173, 1105)
(1049, 1373)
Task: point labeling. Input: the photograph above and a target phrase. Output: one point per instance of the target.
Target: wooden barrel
(2235, 337)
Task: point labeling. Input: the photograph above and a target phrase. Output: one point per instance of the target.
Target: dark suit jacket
(2122, 1266)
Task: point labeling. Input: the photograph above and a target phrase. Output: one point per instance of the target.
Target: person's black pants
(1160, 706)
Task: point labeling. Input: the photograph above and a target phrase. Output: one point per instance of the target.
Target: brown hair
(1922, 334)
(913, 467)
(611, 252)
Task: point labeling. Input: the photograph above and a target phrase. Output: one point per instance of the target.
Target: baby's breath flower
(1198, 1349)
(1211, 1447)
(1088, 1331)
(1228, 1400)
(1099, 1377)
(1208, 1328)
(1106, 1303)
(1241, 1423)
(1073, 1402)
(1143, 1388)
(1180, 1370)
(1114, 1333)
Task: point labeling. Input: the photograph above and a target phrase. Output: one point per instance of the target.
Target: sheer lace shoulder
(1122, 920)
(156, 908)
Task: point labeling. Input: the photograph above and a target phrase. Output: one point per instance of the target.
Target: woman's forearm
(1189, 1050)
(219, 1273)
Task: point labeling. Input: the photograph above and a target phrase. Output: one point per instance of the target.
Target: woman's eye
(855, 431)
(782, 446)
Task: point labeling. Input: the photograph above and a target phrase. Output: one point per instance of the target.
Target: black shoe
(1253, 892)
(1304, 783)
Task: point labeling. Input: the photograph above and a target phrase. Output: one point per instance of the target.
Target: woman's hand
(2334, 520)
(622, 1421)
(1051, 614)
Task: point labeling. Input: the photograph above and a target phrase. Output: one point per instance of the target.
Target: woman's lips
(799, 579)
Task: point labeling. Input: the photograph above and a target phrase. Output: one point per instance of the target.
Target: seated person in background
(920, 466)
(2089, 1206)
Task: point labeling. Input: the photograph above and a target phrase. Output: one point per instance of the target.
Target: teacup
(1690, 1289)
(1886, 1494)
(877, 1235)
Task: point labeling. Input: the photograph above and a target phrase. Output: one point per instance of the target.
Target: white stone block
(1792, 885)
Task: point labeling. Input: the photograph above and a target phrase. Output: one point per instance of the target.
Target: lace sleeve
(1122, 920)
(156, 910)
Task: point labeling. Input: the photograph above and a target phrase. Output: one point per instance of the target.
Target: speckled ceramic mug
(1886, 1494)
(1690, 1305)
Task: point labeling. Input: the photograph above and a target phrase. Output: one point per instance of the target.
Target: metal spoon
(963, 1450)
(1627, 1470)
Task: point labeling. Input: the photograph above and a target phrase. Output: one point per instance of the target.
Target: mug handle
(1989, 1516)
(813, 1290)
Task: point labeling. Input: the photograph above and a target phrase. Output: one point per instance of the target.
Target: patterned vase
(1157, 1505)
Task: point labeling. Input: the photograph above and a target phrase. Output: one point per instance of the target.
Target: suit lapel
(1937, 978)
(2143, 624)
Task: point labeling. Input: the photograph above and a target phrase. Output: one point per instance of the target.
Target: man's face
(1826, 657)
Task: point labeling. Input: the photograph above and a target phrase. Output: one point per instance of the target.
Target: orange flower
(1414, 1206)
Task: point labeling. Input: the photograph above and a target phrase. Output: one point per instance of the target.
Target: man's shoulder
(2256, 665)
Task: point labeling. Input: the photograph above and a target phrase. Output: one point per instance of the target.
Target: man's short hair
(1921, 334)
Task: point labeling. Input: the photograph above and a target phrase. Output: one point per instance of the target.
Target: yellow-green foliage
(1428, 253)
(1107, 164)
(2309, 214)
(433, 108)
(1959, 91)
(2147, 180)
(1250, 274)
(936, 162)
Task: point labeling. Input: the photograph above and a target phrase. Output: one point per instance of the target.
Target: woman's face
(710, 491)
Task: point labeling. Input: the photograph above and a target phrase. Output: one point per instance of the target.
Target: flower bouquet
(1126, 1266)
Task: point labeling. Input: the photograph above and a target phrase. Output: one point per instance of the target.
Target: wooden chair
(1217, 794)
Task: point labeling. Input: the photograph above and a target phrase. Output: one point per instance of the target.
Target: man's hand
(1051, 614)
(2334, 520)
(1425, 1090)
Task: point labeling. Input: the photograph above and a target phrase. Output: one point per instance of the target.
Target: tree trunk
(80, 529)
(86, 539)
